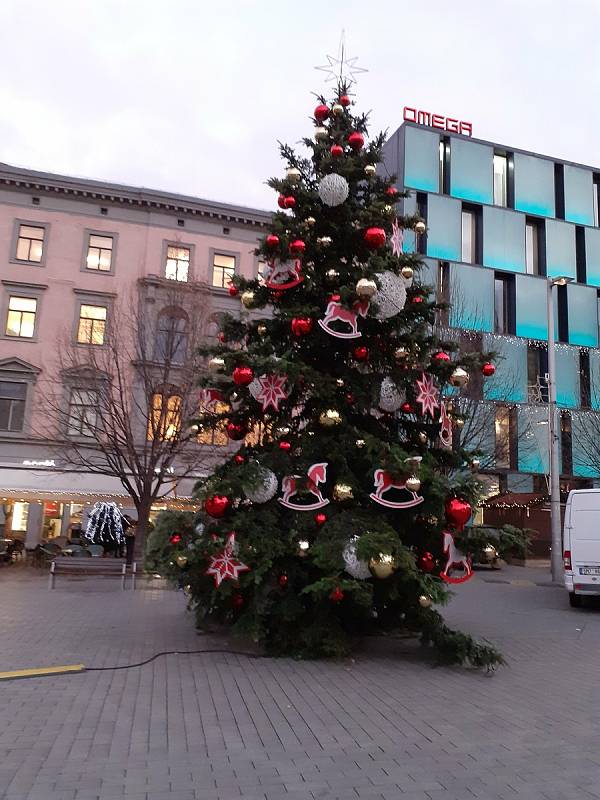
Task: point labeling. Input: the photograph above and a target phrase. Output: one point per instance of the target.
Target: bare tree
(123, 393)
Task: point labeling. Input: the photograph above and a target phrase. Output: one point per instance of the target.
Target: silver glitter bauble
(353, 566)
(390, 399)
(391, 295)
(333, 189)
(266, 487)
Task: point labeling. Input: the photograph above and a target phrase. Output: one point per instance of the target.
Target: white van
(581, 544)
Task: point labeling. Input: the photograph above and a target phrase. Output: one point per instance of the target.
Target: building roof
(85, 188)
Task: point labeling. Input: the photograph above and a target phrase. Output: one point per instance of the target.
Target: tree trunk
(141, 531)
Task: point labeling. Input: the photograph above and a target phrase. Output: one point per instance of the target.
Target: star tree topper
(342, 69)
(428, 396)
(224, 566)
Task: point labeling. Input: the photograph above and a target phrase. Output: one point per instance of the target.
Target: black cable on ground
(177, 653)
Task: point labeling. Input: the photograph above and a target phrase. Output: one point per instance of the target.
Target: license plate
(589, 570)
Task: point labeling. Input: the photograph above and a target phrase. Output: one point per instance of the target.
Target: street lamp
(555, 522)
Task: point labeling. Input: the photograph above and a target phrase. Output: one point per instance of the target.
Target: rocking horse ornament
(292, 484)
(445, 426)
(385, 483)
(283, 275)
(454, 558)
(335, 312)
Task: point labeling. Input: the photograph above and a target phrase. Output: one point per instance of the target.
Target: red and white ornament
(428, 394)
(269, 390)
(295, 490)
(396, 238)
(454, 558)
(337, 313)
(225, 566)
(283, 275)
(445, 426)
(384, 483)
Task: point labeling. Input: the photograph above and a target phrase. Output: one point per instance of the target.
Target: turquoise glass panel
(579, 203)
(428, 273)
(567, 377)
(471, 298)
(531, 301)
(443, 228)
(534, 185)
(583, 315)
(585, 453)
(560, 249)
(592, 256)
(421, 159)
(595, 379)
(509, 382)
(471, 171)
(533, 439)
(409, 237)
(503, 239)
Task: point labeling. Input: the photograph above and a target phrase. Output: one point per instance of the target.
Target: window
(444, 164)
(585, 379)
(21, 317)
(99, 253)
(469, 237)
(595, 200)
(12, 405)
(503, 437)
(215, 435)
(500, 180)
(260, 270)
(165, 418)
(171, 340)
(566, 443)
(92, 324)
(532, 249)
(83, 414)
(537, 387)
(178, 263)
(30, 243)
(223, 270)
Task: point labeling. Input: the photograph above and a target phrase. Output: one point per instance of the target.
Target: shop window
(92, 324)
(12, 405)
(177, 266)
(83, 413)
(20, 514)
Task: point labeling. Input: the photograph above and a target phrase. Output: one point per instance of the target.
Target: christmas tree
(343, 512)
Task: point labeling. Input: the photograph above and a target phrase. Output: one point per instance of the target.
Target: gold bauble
(216, 363)
(413, 484)
(383, 566)
(423, 437)
(459, 377)
(475, 464)
(400, 353)
(413, 462)
(337, 109)
(460, 423)
(303, 546)
(370, 169)
(340, 382)
(389, 209)
(342, 492)
(424, 601)
(261, 329)
(420, 227)
(181, 561)
(310, 221)
(360, 442)
(324, 241)
(293, 174)
(280, 431)
(321, 133)
(407, 272)
(247, 298)
(332, 276)
(366, 287)
(330, 418)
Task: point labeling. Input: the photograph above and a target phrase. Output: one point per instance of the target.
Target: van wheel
(575, 600)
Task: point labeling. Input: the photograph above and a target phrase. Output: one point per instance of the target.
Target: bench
(104, 567)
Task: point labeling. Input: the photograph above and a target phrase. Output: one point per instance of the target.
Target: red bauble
(345, 100)
(297, 247)
(221, 337)
(237, 601)
(488, 369)
(406, 408)
(336, 150)
(217, 505)
(301, 326)
(417, 299)
(356, 140)
(374, 238)
(235, 431)
(320, 518)
(334, 298)
(283, 580)
(281, 201)
(441, 356)
(285, 446)
(272, 240)
(337, 595)
(361, 353)
(391, 191)
(289, 201)
(233, 291)
(242, 376)
(239, 458)
(175, 538)
(350, 398)
(321, 113)
(458, 512)
(426, 562)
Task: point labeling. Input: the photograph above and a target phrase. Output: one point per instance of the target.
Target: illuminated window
(21, 317)
(19, 517)
(469, 234)
(223, 270)
(12, 405)
(500, 175)
(83, 413)
(177, 267)
(30, 243)
(502, 429)
(255, 436)
(99, 253)
(92, 325)
(214, 434)
(165, 418)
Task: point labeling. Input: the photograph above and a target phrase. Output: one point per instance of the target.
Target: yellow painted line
(40, 672)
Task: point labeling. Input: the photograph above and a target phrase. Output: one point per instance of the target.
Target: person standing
(129, 532)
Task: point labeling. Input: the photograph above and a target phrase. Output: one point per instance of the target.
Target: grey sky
(191, 96)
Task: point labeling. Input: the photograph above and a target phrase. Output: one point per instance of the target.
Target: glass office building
(500, 224)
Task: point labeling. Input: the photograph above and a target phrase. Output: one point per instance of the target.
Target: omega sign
(437, 121)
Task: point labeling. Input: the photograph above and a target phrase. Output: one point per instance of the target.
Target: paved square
(222, 727)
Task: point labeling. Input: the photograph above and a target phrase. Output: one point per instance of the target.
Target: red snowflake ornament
(225, 566)
(428, 395)
(269, 390)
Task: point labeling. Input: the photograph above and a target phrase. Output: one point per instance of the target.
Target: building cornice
(118, 194)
